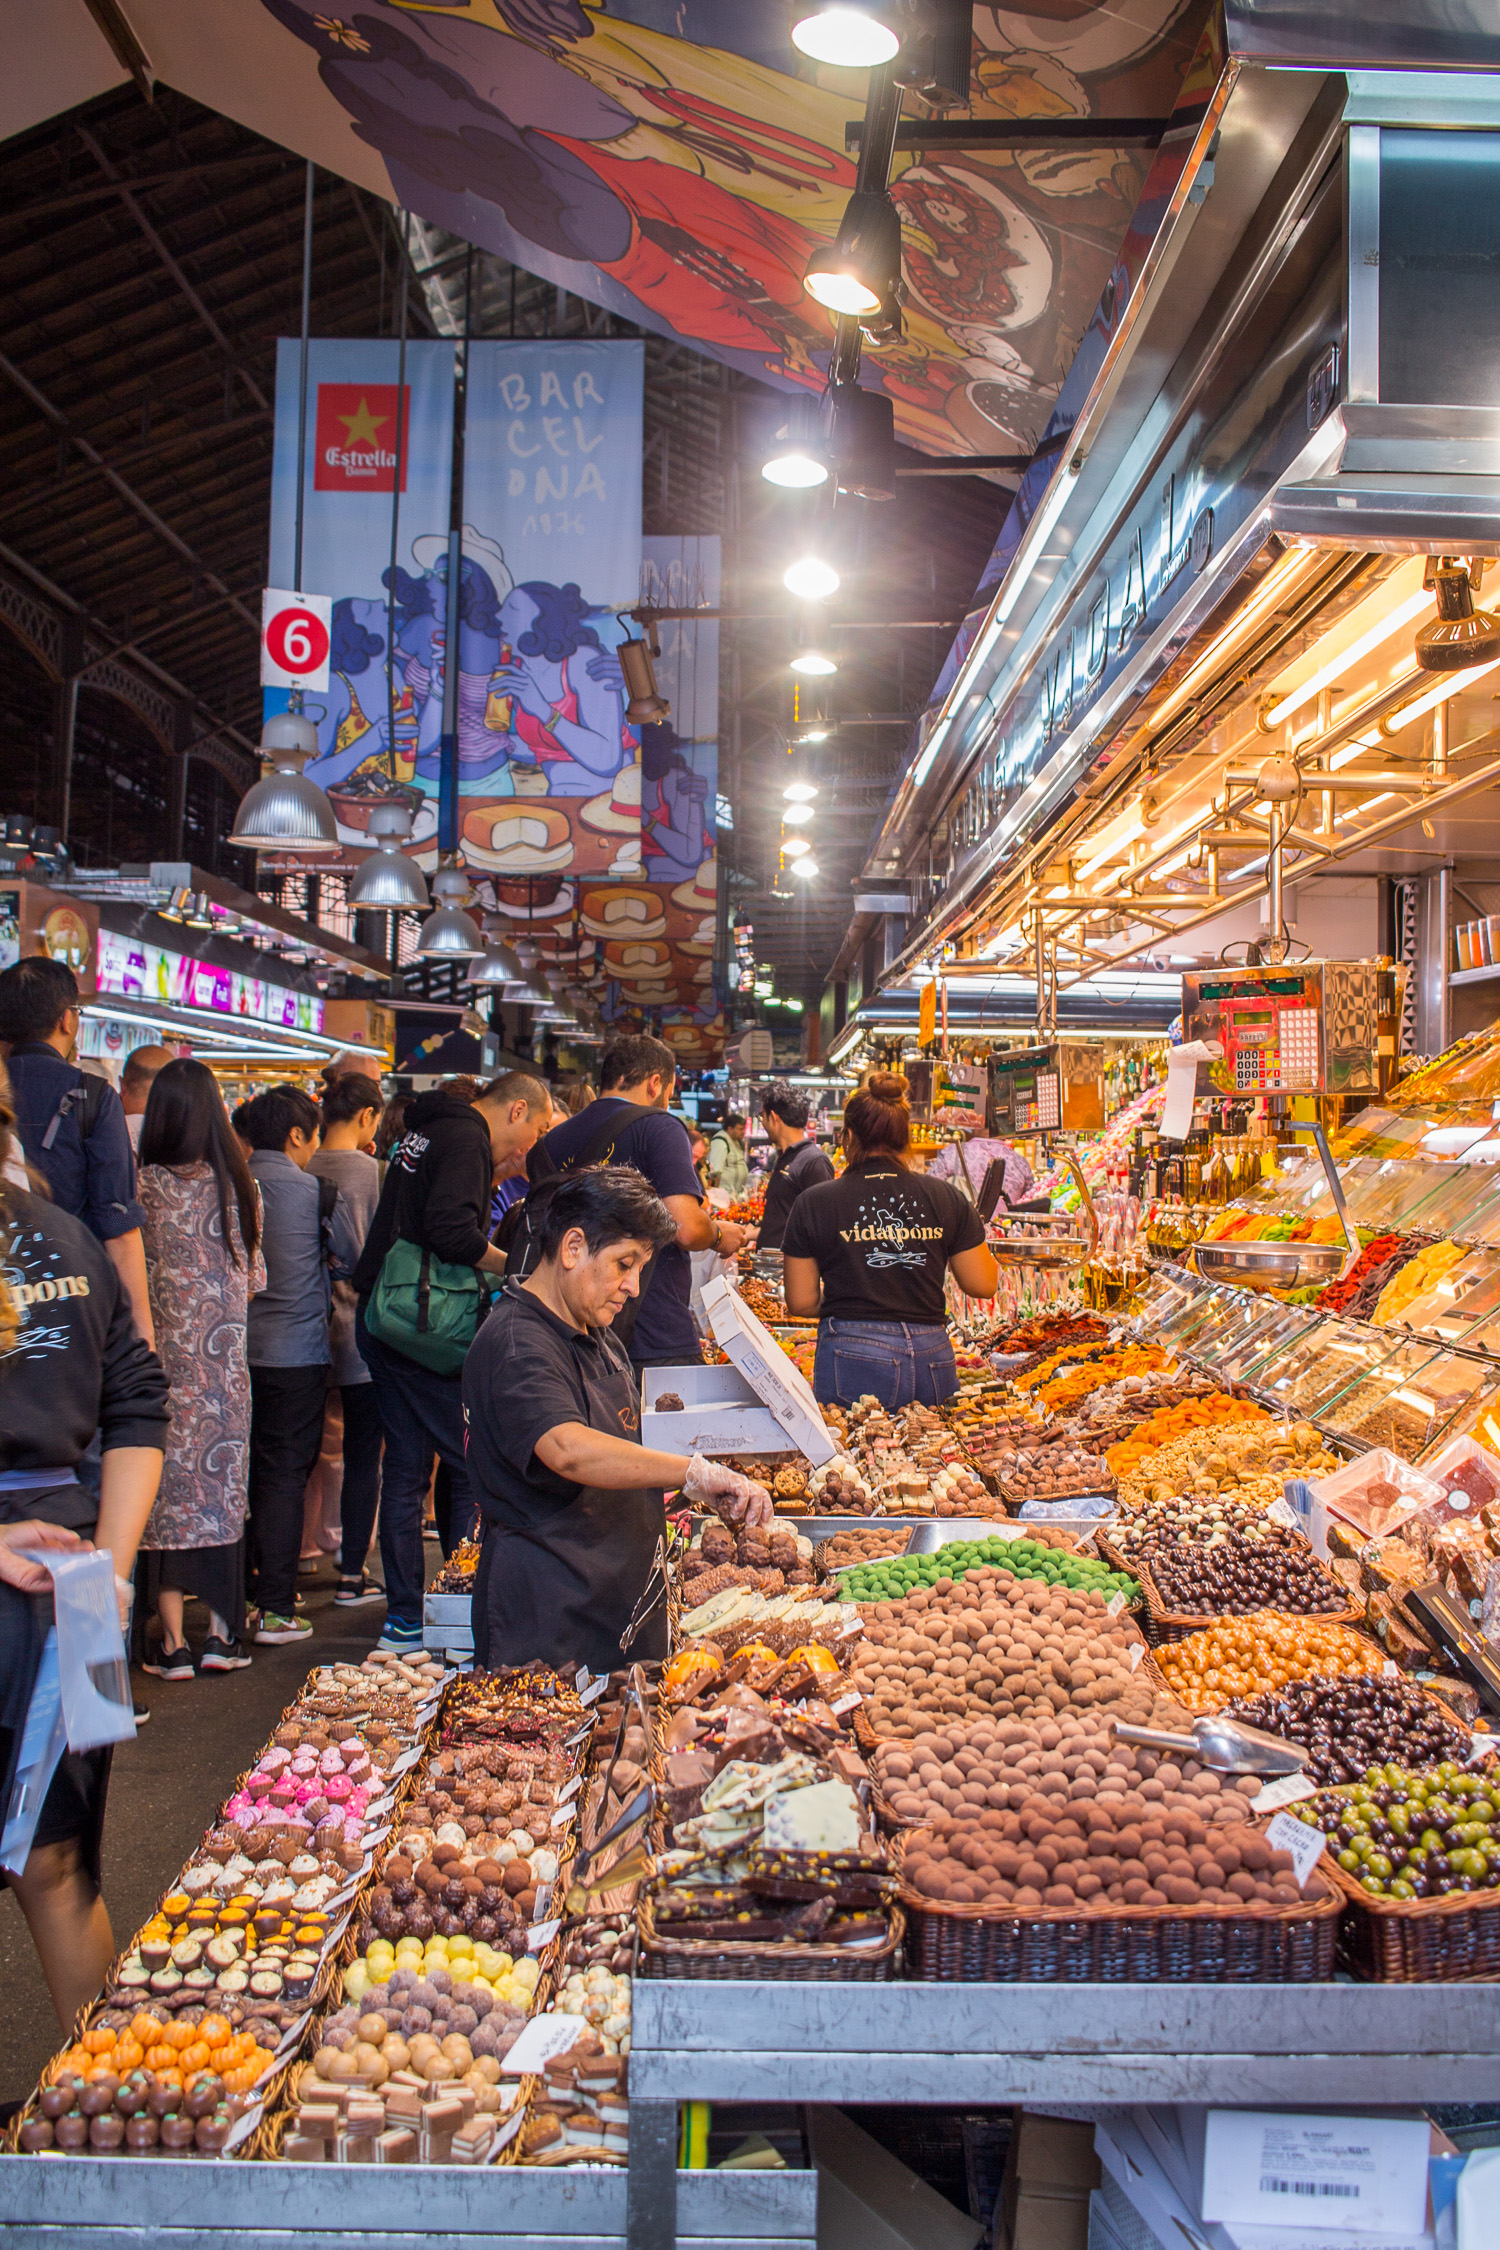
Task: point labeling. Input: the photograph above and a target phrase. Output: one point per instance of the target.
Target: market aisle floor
(164, 1787)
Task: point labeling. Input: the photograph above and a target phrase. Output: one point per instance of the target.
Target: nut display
(1051, 1472)
(1405, 1835)
(1248, 1655)
(1019, 1558)
(1236, 1576)
(993, 1643)
(1350, 1725)
(859, 1544)
(1185, 1521)
(1172, 1863)
(1185, 1419)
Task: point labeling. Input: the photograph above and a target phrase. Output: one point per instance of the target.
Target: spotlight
(1460, 637)
(795, 461)
(814, 664)
(864, 442)
(808, 867)
(285, 812)
(848, 36)
(795, 846)
(800, 792)
(811, 579)
(813, 734)
(645, 704)
(797, 815)
(860, 270)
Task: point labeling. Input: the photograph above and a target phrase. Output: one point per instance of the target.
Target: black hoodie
(436, 1191)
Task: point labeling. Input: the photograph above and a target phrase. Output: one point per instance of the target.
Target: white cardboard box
(721, 1413)
(1133, 2165)
(768, 1371)
(1348, 2175)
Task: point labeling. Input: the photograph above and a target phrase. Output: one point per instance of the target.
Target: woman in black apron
(71, 1361)
(573, 1565)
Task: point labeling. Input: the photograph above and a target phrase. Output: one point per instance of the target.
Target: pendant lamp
(450, 934)
(388, 878)
(285, 812)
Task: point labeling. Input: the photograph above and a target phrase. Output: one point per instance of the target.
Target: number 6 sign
(295, 638)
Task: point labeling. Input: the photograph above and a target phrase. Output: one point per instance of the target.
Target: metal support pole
(651, 2190)
(390, 583)
(307, 237)
(70, 661)
(448, 746)
(177, 781)
(1273, 863)
(1441, 912)
(1440, 718)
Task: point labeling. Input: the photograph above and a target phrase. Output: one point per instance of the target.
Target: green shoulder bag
(425, 1308)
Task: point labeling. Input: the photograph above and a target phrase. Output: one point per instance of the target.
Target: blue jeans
(422, 1414)
(896, 1361)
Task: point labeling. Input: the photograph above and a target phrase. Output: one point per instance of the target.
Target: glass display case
(1462, 1196)
(1464, 1299)
(1409, 1399)
(1311, 1370)
(1388, 1195)
(1179, 1329)
(1478, 1418)
(1381, 1133)
(1236, 1317)
(1283, 1326)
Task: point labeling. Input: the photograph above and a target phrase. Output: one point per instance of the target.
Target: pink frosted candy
(338, 1789)
(275, 1758)
(330, 1762)
(358, 1799)
(260, 1784)
(241, 1808)
(304, 1763)
(270, 1816)
(331, 1822)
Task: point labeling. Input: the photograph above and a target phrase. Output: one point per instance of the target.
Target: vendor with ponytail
(868, 1254)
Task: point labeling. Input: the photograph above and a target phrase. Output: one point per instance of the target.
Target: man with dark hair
(287, 1348)
(436, 1194)
(728, 1165)
(70, 1124)
(136, 1081)
(573, 1563)
(351, 1112)
(627, 1125)
(800, 1163)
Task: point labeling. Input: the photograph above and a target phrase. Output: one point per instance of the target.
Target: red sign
(296, 641)
(356, 437)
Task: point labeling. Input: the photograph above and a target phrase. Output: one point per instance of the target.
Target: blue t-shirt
(658, 1146)
(93, 1178)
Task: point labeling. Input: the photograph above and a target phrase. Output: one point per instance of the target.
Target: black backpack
(521, 1240)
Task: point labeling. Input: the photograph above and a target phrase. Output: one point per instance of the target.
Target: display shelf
(121, 2203)
(1242, 2044)
(1310, 1372)
(1283, 1328)
(1485, 975)
(1409, 1399)
(1238, 1316)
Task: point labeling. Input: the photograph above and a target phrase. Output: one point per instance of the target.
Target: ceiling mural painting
(674, 161)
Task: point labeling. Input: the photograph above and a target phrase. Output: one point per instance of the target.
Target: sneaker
(353, 1592)
(223, 1656)
(171, 1664)
(430, 1531)
(307, 1566)
(275, 1630)
(141, 1713)
(398, 1640)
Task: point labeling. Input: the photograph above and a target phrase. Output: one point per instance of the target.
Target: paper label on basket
(1390, 1671)
(543, 1901)
(580, 1734)
(1280, 1512)
(846, 1703)
(1137, 1652)
(592, 1694)
(542, 1933)
(571, 1790)
(505, 2136)
(544, 2037)
(1290, 1790)
(1114, 1605)
(1289, 1834)
(563, 1815)
(1481, 1747)
(845, 1631)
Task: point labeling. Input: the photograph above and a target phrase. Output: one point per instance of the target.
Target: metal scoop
(1225, 1744)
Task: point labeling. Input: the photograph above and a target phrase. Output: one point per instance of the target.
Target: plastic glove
(30, 1577)
(737, 1499)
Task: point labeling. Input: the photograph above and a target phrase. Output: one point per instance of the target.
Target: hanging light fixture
(797, 814)
(814, 663)
(848, 34)
(388, 878)
(794, 846)
(800, 792)
(795, 461)
(1461, 638)
(285, 812)
(860, 270)
(499, 965)
(807, 866)
(450, 934)
(646, 705)
(812, 578)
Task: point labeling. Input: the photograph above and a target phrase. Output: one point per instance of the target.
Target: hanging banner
(549, 775)
(349, 490)
(659, 935)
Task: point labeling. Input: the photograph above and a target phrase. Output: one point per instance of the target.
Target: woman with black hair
(869, 1256)
(573, 1568)
(203, 1263)
(71, 1362)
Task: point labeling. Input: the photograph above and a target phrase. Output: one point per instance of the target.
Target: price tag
(543, 2038)
(563, 1815)
(1114, 1605)
(1481, 1747)
(1290, 1790)
(1281, 1511)
(542, 1933)
(846, 1703)
(582, 1677)
(846, 1632)
(505, 2135)
(592, 1694)
(543, 1901)
(1390, 1671)
(572, 1789)
(580, 1734)
(1137, 1654)
(1288, 1834)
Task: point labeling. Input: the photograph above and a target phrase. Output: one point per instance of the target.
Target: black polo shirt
(796, 1169)
(882, 1238)
(565, 1567)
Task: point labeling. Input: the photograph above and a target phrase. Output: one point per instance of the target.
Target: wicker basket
(1161, 1624)
(1147, 1675)
(1125, 1945)
(726, 1958)
(1417, 1940)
